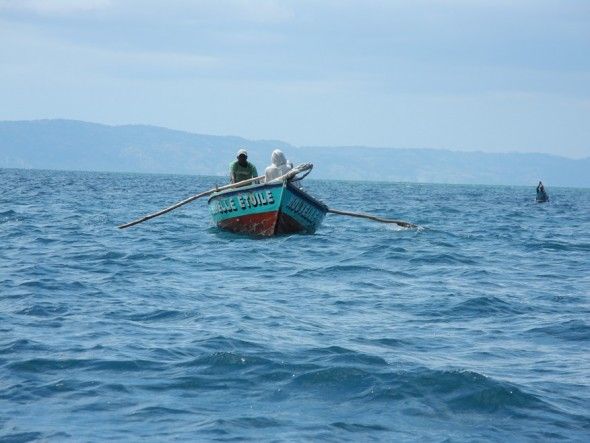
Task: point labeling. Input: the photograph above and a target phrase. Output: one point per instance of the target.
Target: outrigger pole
(373, 217)
(188, 200)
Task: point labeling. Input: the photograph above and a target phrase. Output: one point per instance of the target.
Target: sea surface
(474, 327)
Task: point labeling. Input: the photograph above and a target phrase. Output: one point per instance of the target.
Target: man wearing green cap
(241, 169)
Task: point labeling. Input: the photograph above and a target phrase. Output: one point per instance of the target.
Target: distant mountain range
(76, 145)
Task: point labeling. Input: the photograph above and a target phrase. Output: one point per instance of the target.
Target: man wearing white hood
(280, 166)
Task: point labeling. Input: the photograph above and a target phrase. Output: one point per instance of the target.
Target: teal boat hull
(267, 210)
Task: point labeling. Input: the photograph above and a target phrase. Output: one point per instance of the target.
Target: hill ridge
(80, 145)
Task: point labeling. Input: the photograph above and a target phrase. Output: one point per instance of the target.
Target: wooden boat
(277, 207)
(267, 209)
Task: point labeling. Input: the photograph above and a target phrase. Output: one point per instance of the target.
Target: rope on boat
(290, 175)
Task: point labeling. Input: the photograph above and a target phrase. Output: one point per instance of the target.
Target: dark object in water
(542, 196)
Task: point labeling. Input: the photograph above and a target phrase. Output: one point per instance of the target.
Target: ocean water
(475, 327)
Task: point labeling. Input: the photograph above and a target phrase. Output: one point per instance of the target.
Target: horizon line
(312, 179)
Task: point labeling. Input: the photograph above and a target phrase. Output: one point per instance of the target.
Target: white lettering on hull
(305, 210)
(241, 202)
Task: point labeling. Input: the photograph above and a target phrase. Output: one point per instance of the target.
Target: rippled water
(475, 327)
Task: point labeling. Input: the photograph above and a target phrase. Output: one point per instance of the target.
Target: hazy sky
(494, 76)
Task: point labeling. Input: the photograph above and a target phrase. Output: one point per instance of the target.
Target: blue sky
(494, 76)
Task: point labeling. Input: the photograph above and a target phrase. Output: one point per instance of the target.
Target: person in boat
(241, 169)
(279, 166)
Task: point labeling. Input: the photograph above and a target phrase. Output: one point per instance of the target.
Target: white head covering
(242, 152)
(278, 158)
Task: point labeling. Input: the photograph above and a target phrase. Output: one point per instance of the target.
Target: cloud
(259, 12)
(265, 11)
(57, 58)
(53, 7)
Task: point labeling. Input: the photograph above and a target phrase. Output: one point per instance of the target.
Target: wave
(221, 426)
(460, 391)
(45, 240)
(227, 343)
(44, 310)
(338, 270)
(52, 284)
(149, 412)
(559, 246)
(45, 365)
(572, 330)
(332, 373)
(23, 437)
(159, 315)
(443, 259)
(390, 342)
(22, 345)
(485, 306)
(336, 355)
(358, 427)
(228, 361)
(40, 365)
(333, 381)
